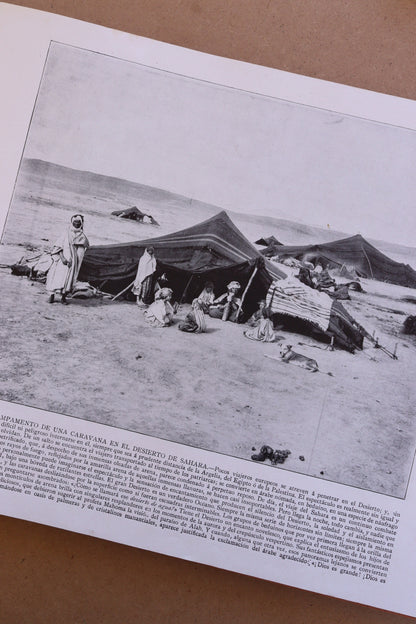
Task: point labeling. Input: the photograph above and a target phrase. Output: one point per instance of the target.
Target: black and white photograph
(214, 267)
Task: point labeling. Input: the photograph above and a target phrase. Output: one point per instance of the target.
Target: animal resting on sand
(289, 356)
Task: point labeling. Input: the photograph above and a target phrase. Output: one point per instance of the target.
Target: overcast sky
(226, 147)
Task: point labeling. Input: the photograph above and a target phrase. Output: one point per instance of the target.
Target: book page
(275, 444)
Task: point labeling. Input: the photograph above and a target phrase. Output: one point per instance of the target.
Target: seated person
(195, 320)
(254, 319)
(322, 279)
(162, 281)
(160, 312)
(305, 277)
(206, 298)
(262, 329)
(227, 307)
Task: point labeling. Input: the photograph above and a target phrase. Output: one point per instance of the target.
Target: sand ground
(98, 360)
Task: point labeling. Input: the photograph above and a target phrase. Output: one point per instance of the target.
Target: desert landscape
(98, 360)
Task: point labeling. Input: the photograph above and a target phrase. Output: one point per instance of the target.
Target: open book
(208, 279)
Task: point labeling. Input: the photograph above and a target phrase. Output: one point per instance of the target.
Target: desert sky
(236, 150)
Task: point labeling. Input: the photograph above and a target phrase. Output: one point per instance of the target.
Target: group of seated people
(227, 307)
(154, 296)
(319, 278)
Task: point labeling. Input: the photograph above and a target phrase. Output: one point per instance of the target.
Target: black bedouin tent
(134, 214)
(296, 307)
(129, 213)
(353, 251)
(213, 250)
(266, 242)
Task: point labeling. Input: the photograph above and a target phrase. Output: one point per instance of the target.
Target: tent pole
(271, 298)
(186, 289)
(369, 263)
(123, 291)
(245, 291)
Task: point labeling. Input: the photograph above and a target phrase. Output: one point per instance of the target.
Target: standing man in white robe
(67, 255)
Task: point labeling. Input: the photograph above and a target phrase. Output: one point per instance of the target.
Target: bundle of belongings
(134, 214)
(297, 307)
(35, 267)
(83, 290)
(320, 279)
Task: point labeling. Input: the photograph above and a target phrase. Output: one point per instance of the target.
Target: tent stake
(393, 355)
(123, 291)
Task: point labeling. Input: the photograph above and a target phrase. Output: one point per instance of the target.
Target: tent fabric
(270, 240)
(134, 214)
(129, 213)
(347, 333)
(305, 310)
(354, 251)
(212, 250)
(293, 298)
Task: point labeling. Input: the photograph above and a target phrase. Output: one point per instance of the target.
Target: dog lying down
(288, 356)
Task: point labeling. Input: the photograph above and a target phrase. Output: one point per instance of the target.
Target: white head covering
(76, 235)
(164, 293)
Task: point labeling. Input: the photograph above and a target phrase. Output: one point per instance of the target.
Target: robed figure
(143, 286)
(67, 255)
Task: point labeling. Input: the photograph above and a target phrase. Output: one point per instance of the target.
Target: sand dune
(57, 192)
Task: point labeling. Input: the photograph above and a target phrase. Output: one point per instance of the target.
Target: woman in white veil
(144, 282)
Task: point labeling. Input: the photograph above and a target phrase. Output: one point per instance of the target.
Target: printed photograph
(214, 267)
